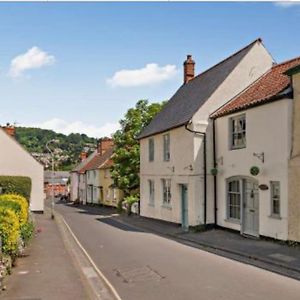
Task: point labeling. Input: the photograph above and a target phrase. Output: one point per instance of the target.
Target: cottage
(257, 156)
(176, 147)
(16, 161)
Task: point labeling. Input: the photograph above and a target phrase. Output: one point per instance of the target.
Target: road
(144, 266)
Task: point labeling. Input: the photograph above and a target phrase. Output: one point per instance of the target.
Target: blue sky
(59, 62)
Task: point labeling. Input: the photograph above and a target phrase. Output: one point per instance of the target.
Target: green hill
(67, 151)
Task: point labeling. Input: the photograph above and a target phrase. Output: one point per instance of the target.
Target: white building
(16, 161)
(254, 144)
(177, 148)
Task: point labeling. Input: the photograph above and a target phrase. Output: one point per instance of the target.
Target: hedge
(16, 185)
(9, 231)
(18, 203)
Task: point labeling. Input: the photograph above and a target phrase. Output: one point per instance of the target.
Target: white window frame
(166, 192)
(237, 194)
(238, 133)
(151, 191)
(166, 147)
(151, 149)
(273, 185)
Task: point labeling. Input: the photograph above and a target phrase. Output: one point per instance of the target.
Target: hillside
(67, 151)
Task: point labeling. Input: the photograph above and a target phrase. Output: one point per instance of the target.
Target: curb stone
(98, 286)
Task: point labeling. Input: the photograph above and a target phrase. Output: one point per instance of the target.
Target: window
(106, 173)
(275, 198)
(234, 200)
(166, 139)
(151, 149)
(151, 191)
(238, 132)
(166, 185)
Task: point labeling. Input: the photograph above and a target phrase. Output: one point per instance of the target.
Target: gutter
(204, 167)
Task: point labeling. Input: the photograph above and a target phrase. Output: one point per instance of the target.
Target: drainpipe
(204, 167)
(215, 177)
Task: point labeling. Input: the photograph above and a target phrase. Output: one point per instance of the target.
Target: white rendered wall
(268, 130)
(16, 161)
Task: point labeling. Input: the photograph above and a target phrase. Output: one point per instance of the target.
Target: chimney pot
(83, 155)
(188, 69)
(10, 129)
(104, 144)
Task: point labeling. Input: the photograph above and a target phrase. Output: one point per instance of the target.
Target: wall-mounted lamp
(260, 156)
(189, 167)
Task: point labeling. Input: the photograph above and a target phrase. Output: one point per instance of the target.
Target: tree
(126, 167)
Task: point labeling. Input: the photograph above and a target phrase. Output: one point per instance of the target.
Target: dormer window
(238, 132)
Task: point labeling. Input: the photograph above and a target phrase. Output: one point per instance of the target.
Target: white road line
(113, 290)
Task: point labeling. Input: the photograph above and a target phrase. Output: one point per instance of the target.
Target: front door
(250, 208)
(184, 207)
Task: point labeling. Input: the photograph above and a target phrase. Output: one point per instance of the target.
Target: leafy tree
(125, 170)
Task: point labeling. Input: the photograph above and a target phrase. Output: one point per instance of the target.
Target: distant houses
(16, 161)
(91, 181)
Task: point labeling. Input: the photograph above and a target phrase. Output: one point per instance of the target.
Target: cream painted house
(110, 194)
(257, 147)
(177, 148)
(16, 161)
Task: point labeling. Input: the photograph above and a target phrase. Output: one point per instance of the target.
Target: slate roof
(191, 96)
(273, 85)
(97, 161)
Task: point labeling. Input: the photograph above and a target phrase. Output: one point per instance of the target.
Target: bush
(27, 232)
(18, 203)
(130, 200)
(16, 185)
(9, 231)
(119, 206)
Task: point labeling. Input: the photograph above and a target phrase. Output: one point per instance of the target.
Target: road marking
(113, 290)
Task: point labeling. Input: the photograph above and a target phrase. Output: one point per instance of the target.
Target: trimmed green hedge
(16, 185)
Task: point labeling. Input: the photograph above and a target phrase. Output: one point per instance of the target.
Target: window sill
(277, 217)
(237, 148)
(167, 206)
(235, 221)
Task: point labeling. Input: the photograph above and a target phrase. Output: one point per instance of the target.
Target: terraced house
(257, 155)
(176, 147)
(225, 150)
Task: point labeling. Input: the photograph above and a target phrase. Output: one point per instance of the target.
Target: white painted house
(176, 147)
(257, 189)
(16, 161)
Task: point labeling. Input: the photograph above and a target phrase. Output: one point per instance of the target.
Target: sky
(78, 67)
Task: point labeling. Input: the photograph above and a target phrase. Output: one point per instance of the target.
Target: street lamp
(52, 175)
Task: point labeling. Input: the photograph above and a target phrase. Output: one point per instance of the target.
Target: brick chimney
(83, 155)
(104, 144)
(188, 69)
(10, 129)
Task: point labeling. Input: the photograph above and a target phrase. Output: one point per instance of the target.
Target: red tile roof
(97, 161)
(107, 164)
(263, 90)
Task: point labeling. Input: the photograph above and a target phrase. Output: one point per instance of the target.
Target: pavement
(148, 259)
(46, 271)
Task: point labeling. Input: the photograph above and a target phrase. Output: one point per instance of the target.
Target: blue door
(184, 207)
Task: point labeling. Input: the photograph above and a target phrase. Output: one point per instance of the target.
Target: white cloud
(150, 74)
(34, 58)
(62, 126)
(286, 4)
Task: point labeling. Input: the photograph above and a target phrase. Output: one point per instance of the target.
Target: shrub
(26, 231)
(119, 206)
(9, 231)
(20, 185)
(21, 202)
(130, 200)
